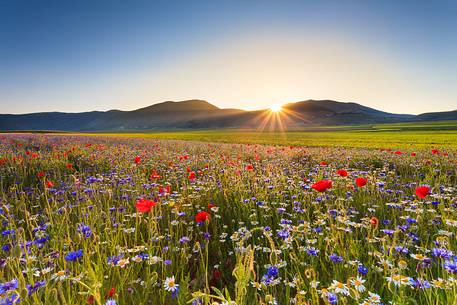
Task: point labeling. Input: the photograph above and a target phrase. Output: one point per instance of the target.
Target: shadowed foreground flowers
(98, 220)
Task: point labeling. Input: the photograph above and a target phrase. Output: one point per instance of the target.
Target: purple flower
(362, 270)
(7, 286)
(33, 288)
(312, 251)
(450, 265)
(335, 258)
(442, 253)
(73, 256)
(332, 298)
(283, 234)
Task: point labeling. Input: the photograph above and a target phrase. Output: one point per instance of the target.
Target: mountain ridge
(196, 113)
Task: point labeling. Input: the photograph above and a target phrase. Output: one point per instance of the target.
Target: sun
(275, 108)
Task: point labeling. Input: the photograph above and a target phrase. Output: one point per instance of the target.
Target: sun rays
(278, 118)
(275, 108)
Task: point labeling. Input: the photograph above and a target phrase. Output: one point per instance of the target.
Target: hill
(193, 114)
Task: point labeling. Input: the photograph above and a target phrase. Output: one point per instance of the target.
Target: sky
(73, 56)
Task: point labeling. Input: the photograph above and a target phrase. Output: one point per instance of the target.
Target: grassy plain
(400, 135)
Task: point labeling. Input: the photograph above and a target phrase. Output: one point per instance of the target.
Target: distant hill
(193, 114)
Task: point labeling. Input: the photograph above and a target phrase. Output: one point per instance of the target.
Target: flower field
(108, 220)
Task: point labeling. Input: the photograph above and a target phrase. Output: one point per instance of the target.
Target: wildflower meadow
(108, 220)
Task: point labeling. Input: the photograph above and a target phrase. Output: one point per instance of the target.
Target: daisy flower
(339, 287)
(170, 284)
(358, 284)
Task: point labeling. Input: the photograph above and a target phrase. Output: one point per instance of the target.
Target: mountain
(193, 114)
(438, 116)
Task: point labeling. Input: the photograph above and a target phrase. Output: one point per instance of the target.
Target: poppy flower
(374, 221)
(413, 154)
(435, 151)
(40, 175)
(192, 176)
(210, 205)
(154, 176)
(49, 183)
(361, 181)
(249, 167)
(323, 163)
(322, 185)
(422, 191)
(144, 205)
(398, 152)
(112, 292)
(69, 166)
(137, 159)
(202, 216)
(342, 173)
(217, 274)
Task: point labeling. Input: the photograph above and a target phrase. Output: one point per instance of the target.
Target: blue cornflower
(388, 231)
(401, 250)
(450, 265)
(335, 258)
(85, 230)
(312, 251)
(362, 270)
(33, 288)
(283, 234)
(12, 299)
(8, 232)
(115, 259)
(272, 272)
(419, 283)
(442, 253)
(184, 240)
(73, 256)
(7, 286)
(332, 298)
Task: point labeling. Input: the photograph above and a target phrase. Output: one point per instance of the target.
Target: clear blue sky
(398, 56)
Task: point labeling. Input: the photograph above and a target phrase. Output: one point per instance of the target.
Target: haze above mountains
(199, 114)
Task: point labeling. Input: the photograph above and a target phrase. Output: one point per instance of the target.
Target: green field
(401, 135)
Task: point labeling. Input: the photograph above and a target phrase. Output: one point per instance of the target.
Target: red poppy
(323, 163)
(398, 152)
(435, 151)
(137, 159)
(40, 174)
(413, 154)
(202, 216)
(192, 176)
(210, 205)
(91, 299)
(342, 173)
(154, 176)
(422, 191)
(49, 183)
(217, 274)
(374, 221)
(144, 205)
(322, 185)
(112, 292)
(69, 166)
(361, 181)
(249, 167)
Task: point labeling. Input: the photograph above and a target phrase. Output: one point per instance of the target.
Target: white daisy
(170, 284)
